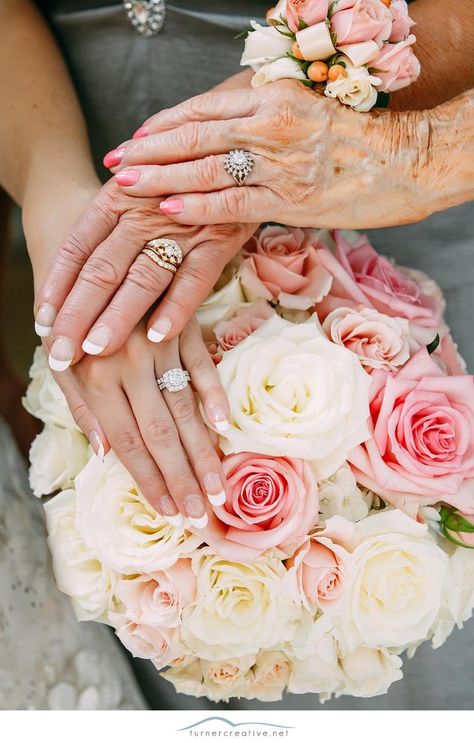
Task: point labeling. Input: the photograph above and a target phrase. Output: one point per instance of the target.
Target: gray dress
(122, 78)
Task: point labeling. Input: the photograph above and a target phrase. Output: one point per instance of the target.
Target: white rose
(186, 675)
(369, 672)
(57, 455)
(269, 676)
(281, 69)
(224, 679)
(116, 521)
(339, 495)
(355, 89)
(294, 393)
(458, 599)
(239, 608)
(226, 294)
(398, 582)
(78, 571)
(44, 399)
(264, 44)
(315, 666)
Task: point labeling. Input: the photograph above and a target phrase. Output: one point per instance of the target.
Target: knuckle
(200, 365)
(184, 408)
(129, 443)
(188, 137)
(161, 432)
(100, 272)
(72, 252)
(208, 171)
(80, 413)
(197, 105)
(235, 202)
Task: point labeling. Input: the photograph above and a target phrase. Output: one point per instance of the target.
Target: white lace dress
(48, 660)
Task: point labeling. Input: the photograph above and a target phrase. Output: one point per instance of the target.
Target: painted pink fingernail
(114, 157)
(127, 177)
(142, 131)
(172, 206)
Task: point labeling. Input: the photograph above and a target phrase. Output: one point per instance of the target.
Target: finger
(92, 228)
(84, 417)
(204, 376)
(162, 441)
(204, 107)
(207, 174)
(239, 204)
(191, 285)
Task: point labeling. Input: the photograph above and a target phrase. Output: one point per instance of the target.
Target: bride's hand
(100, 285)
(159, 437)
(317, 162)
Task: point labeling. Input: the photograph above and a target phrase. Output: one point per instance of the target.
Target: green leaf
(383, 99)
(244, 33)
(431, 347)
(303, 24)
(334, 38)
(375, 71)
(454, 521)
(452, 539)
(288, 34)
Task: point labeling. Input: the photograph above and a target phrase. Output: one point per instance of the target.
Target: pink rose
(362, 276)
(270, 502)
(243, 321)
(422, 446)
(448, 355)
(396, 65)
(401, 21)
(309, 11)
(151, 643)
(361, 20)
(281, 265)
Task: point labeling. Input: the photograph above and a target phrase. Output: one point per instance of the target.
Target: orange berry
(296, 51)
(386, 2)
(318, 72)
(337, 70)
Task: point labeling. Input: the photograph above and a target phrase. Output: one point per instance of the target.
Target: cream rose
(264, 44)
(458, 599)
(57, 455)
(239, 608)
(339, 495)
(78, 572)
(316, 669)
(285, 68)
(226, 295)
(269, 676)
(369, 672)
(355, 89)
(294, 393)
(397, 588)
(44, 399)
(224, 679)
(116, 521)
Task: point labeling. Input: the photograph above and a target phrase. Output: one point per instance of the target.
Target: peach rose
(270, 502)
(281, 265)
(401, 21)
(242, 322)
(422, 447)
(151, 643)
(396, 65)
(309, 11)
(356, 21)
(362, 276)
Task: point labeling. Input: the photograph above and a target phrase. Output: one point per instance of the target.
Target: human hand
(316, 162)
(100, 285)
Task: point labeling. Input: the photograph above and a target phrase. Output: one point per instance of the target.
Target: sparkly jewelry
(173, 380)
(165, 253)
(146, 16)
(239, 164)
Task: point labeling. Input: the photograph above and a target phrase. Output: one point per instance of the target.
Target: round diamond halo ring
(173, 380)
(239, 164)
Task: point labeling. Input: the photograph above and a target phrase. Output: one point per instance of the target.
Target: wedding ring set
(165, 253)
(173, 380)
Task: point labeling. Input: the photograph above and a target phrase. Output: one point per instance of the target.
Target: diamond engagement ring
(173, 380)
(165, 253)
(239, 164)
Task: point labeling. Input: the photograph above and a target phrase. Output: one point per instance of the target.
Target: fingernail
(61, 354)
(214, 489)
(44, 320)
(159, 330)
(218, 416)
(127, 177)
(172, 206)
(169, 510)
(194, 506)
(114, 157)
(142, 131)
(97, 340)
(97, 445)
(199, 523)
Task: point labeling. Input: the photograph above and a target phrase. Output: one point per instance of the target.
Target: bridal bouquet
(347, 531)
(352, 50)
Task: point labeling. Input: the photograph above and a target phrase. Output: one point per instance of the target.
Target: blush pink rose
(232, 330)
(401, 21)
(362, 276)
(422, 446)
(396, 65)
(270, 502)
(309, 11)
(362, 20)
(151, 643)
(281, 265)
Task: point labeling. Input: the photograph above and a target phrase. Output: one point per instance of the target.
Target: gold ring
(165, 253)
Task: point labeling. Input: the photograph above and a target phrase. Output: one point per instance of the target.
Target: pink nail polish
(141, 132)
(127, 177)
(172, 206)
(114, 157)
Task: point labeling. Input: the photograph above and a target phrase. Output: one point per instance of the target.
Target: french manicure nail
(194, 506)
(44, 320)
(127, 177)
(97, 340)
(61, 354)
(214, 489)
(114, 157)
(199, 523)
(142, 131)
(97, 445)
(218, 416)
(172, 206)
(159, 330)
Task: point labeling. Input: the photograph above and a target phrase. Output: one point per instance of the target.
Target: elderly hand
(316, 162)
(100, 285)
